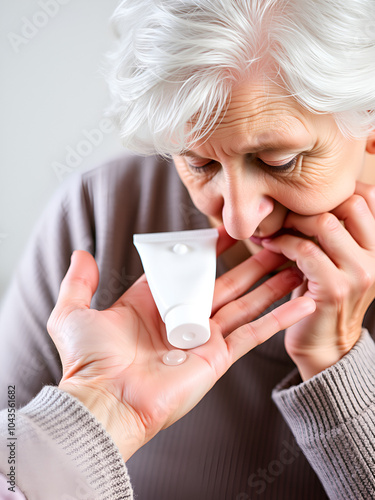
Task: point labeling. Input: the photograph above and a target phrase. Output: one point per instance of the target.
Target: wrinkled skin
(112, 359)
(271, 175)
(238, 178)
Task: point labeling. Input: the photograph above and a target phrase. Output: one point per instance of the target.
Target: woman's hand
(339, 266)
(112, 359)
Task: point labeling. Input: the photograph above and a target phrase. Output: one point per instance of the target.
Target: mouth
(258, 239)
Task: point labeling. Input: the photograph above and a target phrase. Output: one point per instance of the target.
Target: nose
(245, 204)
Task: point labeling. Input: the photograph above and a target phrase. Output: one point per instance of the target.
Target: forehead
(261, 116)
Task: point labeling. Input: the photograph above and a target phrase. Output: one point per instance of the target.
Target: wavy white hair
(176, 61)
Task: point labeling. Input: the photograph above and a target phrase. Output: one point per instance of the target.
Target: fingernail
(268, 241)
(310, 306)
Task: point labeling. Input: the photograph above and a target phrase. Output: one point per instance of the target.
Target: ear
(370, 144)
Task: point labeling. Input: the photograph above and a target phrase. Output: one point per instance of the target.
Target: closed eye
(280, 168)
(201, 167)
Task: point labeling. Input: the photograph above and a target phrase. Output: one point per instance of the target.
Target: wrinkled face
(266, 157)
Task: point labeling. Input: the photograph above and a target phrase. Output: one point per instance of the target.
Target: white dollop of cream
(174, 357)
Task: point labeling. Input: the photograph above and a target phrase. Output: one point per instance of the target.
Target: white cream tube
(180, 268)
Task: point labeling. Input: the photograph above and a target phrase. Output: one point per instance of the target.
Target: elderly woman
(267, 110)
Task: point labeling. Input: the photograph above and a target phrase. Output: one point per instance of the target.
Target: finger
(309, 257)
(251, 305)
(240, 279)
(79, 283)
(248, 336)
(332, 236)
(359, 220)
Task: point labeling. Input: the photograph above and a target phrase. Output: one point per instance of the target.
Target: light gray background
(52, 96)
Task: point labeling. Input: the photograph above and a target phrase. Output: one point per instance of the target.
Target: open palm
(112, 359)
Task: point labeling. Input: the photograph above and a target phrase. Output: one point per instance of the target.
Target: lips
(258, 239)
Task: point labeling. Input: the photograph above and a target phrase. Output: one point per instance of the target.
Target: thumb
(78, 285)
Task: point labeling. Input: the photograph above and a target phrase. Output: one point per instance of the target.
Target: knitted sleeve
(59, 450)
(332, 417)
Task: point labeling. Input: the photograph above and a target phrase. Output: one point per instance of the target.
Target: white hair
(176, 61)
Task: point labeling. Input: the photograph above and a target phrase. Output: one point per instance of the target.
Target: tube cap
(187, 327)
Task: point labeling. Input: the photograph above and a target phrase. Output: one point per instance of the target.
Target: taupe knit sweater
(62, 453)
(317, 442)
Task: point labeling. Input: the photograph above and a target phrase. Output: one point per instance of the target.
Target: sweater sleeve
(59, 450)
(332, 417)
(97, 211)
(28, 357)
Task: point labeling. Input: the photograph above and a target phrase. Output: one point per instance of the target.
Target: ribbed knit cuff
(76, 431)
(332, 418)
(338, 394)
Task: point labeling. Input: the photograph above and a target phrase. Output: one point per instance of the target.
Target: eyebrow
(191, 154)
(262, 145)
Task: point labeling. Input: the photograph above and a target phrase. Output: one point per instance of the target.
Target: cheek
(204, 194)
(322, 184)
(315, 200)
(205, 198)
